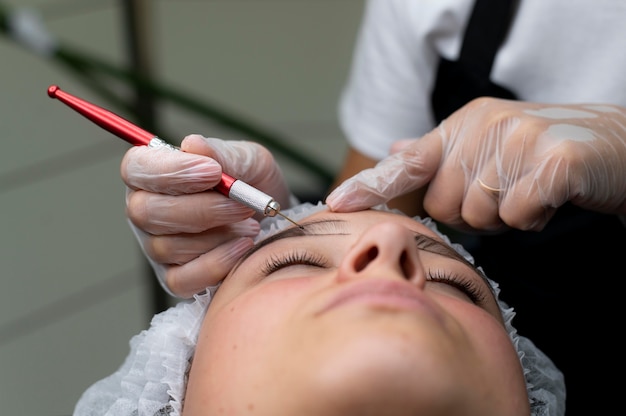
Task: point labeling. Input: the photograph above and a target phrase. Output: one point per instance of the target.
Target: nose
(385, 250)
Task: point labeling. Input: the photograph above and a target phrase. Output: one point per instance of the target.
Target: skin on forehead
(273, 345)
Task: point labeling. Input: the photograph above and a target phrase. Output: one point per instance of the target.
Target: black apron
(563, 281)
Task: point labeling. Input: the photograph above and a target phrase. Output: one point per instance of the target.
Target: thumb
(245, 160)
(407, 170)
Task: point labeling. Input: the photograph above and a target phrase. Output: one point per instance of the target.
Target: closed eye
(293, 258)
(468, 287)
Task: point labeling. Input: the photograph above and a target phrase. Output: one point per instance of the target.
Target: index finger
(398, 174)
(162, 170)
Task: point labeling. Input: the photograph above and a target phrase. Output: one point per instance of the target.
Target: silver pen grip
(253, 198)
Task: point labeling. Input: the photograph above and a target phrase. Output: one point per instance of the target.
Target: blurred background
(74, 285)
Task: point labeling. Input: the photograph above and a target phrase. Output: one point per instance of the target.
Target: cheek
(253, 318)
(236, 336)
(486, 334)
(489, 334)
(489, 338)
(239, 348)
(500, 372)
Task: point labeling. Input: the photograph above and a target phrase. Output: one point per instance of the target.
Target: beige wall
(73, 286)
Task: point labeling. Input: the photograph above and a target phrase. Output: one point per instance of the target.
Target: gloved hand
(191, 235)
(497, 163)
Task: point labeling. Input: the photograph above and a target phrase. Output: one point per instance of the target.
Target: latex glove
(536, 157)
(191, 235)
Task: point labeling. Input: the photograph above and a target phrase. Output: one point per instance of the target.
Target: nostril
(407, 266)
(365, 258)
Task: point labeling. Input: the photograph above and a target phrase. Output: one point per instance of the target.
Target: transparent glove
(191, 235)
(497, 163)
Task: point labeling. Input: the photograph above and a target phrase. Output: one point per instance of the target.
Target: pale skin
(356, 322)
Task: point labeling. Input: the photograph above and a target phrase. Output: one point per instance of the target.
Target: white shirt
(557, 51)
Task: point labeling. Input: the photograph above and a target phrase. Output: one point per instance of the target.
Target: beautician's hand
(497, 163)
(191, 235)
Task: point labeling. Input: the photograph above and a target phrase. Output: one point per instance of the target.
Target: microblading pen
(228, 186)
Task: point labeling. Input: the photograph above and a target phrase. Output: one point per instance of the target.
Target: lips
(382, 294)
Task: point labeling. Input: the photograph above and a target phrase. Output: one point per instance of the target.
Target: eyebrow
(316, 228)
(325, 227)
(435, 246)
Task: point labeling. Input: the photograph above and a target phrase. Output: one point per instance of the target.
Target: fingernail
(334, 198)
(330, 202)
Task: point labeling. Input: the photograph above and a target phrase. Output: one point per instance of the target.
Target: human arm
(191, 235)
(539, 156)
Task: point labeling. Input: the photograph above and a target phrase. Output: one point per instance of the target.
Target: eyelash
(275, 263)
(465, 285)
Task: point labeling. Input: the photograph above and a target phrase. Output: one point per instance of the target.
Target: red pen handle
(109, 121)
(135, 135)
(119, 126)
(225, 184)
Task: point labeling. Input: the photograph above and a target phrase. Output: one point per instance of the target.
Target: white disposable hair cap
(153, 378)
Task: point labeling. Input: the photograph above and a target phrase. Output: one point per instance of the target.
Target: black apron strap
(458, 82)
(553, 278)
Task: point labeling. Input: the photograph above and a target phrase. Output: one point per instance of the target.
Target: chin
(383, 376)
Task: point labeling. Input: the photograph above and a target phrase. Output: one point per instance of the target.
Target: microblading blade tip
(290, 220)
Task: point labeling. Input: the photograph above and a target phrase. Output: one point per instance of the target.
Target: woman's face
(360, 313)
